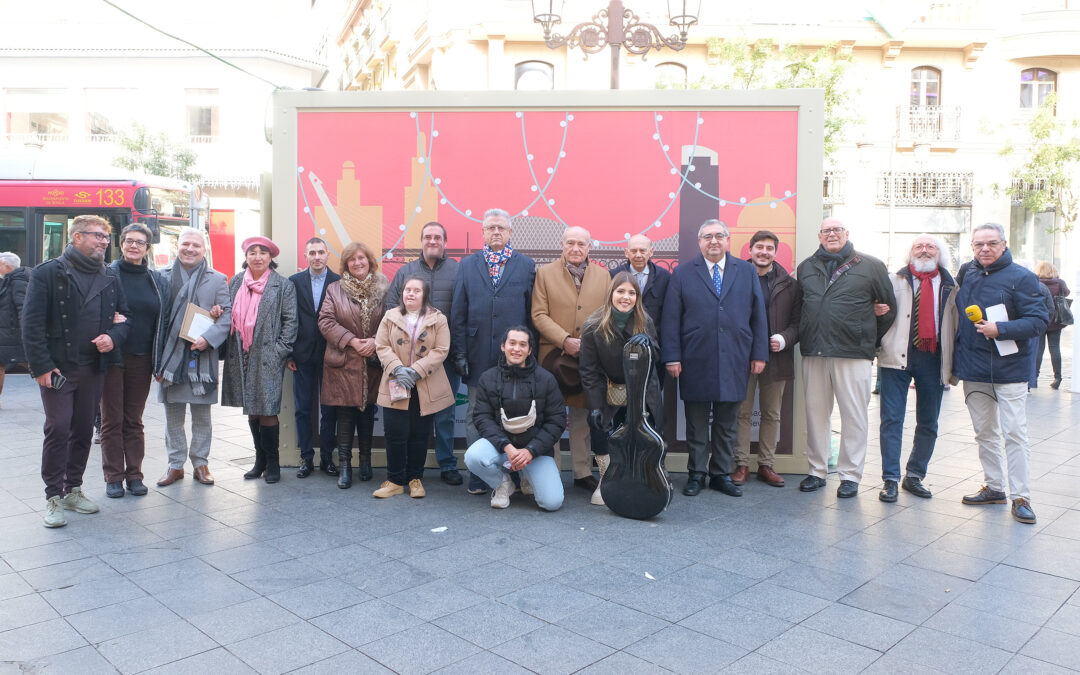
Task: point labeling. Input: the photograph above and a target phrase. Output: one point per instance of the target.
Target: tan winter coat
(426, 357)
(340, 320)
(559, 310)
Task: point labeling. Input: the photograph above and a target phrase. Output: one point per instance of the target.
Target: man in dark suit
(652, 279)
(714, 333)
(493, 292)
(307, 360)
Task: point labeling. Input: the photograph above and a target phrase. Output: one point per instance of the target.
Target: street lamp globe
(684, 14)
(547, 13)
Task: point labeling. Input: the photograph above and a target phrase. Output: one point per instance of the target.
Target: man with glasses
(713, 335)
(493, 292)
(71, 329)
(839, 334)
(918, 347)
(441, 274)
(995, 380)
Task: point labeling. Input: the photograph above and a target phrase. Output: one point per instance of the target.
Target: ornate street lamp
(616, 26)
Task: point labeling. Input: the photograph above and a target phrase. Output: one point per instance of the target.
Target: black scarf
(833, 260)
(85, 268)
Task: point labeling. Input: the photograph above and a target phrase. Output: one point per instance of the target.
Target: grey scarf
(179, 362)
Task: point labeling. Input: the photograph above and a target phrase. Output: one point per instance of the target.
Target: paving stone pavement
(304, 577)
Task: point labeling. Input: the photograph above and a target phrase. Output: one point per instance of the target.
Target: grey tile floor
(303, 577)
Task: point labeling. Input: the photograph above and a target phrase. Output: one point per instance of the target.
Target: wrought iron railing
(928, 122)
(925, 188)
(833, 187)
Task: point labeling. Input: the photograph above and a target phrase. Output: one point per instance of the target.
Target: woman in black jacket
(520, 414)
(603, 337)
(127, 382)
(13, 280)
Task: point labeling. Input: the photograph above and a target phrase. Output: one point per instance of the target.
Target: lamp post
(615, 27)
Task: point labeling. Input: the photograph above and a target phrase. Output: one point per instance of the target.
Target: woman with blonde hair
(621, 318)
(349, 319)
(1048, 276)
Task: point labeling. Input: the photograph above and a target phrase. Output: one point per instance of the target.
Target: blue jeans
(444, 426)
(486, 462)
(925, 369)
(307, 384)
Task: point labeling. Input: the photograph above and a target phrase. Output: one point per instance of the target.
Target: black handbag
(1063, 310)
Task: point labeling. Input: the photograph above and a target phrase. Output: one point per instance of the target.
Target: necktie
(716, 280)
(641, 280)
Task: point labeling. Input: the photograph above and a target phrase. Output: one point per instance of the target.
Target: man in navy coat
(493, 292)
(307, 360)
(714, 333)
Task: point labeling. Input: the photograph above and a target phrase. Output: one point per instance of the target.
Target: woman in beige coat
(348, 319)
(412, 343)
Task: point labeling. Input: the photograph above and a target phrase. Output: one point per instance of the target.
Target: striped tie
(717, 282)
(915, 319)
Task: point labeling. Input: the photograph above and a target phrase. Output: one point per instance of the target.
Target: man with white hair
(566, 292)
(917, 347)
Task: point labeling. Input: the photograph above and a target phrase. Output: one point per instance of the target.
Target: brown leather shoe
(765, 474)
(202, 474)
(170, 477)
(740, 474)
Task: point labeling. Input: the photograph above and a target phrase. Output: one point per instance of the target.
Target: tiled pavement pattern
(304, 577)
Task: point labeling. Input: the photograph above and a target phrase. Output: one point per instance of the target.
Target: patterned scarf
(577, 273)
(364, 293)
(496, 261)
(245, 309)
(926, 333)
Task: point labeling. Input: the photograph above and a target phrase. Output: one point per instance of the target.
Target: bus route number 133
(110, 197)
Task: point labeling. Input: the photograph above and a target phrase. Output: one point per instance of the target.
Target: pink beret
(261, 241)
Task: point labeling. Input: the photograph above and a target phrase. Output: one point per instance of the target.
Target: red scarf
(925, 331)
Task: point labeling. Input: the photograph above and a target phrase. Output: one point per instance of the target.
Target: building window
(1035, 85)
(925, 86)
(670, 76)
(108, 111)
(534, 76)
(202, 115)
(37, 115)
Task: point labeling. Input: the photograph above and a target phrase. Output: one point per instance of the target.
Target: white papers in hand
(200, 323)
(998, 313)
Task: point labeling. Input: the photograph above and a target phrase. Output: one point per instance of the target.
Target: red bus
(40, 198)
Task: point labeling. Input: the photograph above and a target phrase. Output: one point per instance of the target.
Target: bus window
(13, 234)
(54, 235)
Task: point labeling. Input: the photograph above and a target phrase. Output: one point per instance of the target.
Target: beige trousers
(770, 398)
(848, 381)
(579, 442)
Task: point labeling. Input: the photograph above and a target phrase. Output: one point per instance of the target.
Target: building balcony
(925, 188)
(38, 138)
(934, 124)
(833, 187)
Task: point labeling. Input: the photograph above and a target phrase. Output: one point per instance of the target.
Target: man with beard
(917, 347)
(73, 320)
(838, 336)
(783, 307)
(440, 273)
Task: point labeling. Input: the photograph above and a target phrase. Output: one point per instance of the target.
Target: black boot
(344, 445)
(365, 427)
(260, 456)
(270, 437)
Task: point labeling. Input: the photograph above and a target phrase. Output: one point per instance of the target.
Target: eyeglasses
(137, 243)
(496, 228)
(715, 236)
(832, 230)
(985, 244)
(925, 247)
(100, 236)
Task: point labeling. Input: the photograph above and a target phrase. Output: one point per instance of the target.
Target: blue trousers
(307, 385)
(925, 369)
(444, 426)
(486, 462)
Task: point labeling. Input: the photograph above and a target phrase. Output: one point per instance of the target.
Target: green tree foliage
(1046, 178)
(155, 153)
(739, 64)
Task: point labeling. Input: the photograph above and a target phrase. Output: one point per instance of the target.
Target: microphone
(974, 313)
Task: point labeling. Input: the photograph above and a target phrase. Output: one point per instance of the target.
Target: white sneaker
(76, 501)
(500, 498)
(54, 513)
(602, 461)
(526, 486)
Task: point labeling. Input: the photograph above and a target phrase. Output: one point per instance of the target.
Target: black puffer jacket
(514, 389)
(12, 297)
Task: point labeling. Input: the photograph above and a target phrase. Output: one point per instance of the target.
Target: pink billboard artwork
(378, 177)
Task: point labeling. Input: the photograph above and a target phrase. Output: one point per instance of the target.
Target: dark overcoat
(481, 313)
(310, 343)
(714, 337)
(12, 297)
